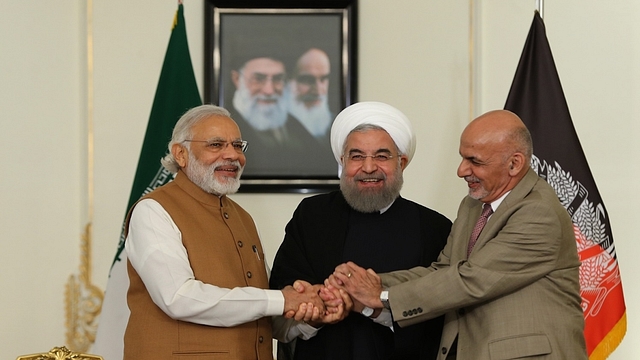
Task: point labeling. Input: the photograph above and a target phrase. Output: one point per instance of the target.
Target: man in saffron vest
(198, 279)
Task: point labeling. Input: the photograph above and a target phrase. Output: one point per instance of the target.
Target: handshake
(349, 288)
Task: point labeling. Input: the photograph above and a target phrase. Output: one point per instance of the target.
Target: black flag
(536, 96)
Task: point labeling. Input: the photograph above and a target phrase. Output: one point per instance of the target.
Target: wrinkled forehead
(370, 139)
(266, 66)
(315, 68)
(216, 127)
(483, 149)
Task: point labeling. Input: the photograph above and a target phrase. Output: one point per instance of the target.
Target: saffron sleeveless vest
(220, 238)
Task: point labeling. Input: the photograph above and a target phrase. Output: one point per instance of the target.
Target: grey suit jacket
(518, 294)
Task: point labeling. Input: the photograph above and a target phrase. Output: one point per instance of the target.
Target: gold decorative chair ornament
(60, 353)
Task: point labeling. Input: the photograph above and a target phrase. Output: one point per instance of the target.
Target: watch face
(367, 311)
(384, 298)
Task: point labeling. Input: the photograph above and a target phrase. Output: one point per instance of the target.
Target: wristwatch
(367, 311)
(384, 298)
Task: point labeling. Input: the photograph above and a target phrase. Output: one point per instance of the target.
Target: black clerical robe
(325, 232)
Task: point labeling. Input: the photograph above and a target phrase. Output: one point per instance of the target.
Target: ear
(404, 160)
(235, 77)
(516, 163)
(181, 154)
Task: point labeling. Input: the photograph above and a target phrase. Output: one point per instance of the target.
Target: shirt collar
(386, 207)
(498, 201)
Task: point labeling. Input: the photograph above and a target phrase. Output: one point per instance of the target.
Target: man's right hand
(336, 305)
(302, 300)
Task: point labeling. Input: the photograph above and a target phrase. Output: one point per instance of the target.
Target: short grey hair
(182, 130)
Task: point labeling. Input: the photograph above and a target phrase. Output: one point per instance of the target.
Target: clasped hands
(349, 288)
(315, 304)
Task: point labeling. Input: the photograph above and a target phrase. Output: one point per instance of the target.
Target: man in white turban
(390, 119)
(367, 222)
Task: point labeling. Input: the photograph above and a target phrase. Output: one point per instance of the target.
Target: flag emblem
(599, 273)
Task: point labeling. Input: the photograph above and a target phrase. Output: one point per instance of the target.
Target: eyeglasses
(239, 146)
(261, 79)
(377, 157)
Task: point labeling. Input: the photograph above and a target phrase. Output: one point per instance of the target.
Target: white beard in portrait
(317, 119)
(259, 115)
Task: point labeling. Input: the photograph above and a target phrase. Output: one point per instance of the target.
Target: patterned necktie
(482, 221)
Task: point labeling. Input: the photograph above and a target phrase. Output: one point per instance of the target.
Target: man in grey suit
(514, 291)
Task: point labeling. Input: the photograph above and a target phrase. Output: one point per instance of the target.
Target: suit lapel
(516, 195)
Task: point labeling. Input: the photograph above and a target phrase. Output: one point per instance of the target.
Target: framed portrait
(284, 70)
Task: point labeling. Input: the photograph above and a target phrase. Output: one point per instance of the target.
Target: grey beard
(481, 192)
(369, 201)
(317, 120)
(204, 177)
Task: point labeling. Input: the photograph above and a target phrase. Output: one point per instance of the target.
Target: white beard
(204, 176)
(260, 116)
(317, 120)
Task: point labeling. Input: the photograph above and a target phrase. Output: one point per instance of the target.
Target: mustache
(267, 97)
(471, 179)
(374, 176)
(226, 163)
(309, 97)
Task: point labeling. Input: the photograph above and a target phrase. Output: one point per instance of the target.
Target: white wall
(41, 192)
(412, 54)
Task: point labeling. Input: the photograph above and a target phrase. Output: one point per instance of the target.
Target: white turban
(392, 120)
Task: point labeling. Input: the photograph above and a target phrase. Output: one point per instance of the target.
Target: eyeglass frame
(261, 79)
(380, 157)
(243, 143)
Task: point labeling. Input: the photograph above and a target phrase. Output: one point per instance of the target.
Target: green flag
(177, 92)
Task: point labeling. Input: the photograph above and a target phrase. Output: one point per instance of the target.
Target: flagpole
(540, 7)
(471, 60)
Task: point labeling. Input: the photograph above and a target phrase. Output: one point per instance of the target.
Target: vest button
(249, 274)
(226, 215)
(239, 243)
(261, 339)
